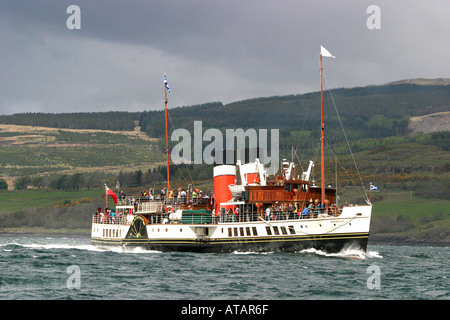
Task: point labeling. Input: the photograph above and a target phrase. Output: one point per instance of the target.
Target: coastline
(387, 241)
(46, 233)
(406, 240)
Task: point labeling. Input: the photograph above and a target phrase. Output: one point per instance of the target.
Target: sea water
(49, 268)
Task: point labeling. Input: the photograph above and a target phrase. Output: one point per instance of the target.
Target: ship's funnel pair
(225, 172)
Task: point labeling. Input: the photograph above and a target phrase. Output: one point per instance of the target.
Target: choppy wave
(251, 252)
(85, 247)
(38, 268)
(349, 253)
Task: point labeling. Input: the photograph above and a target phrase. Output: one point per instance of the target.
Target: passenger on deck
(236, 213)
(97, 214)
(322, 208)
(290, 210)
(230, 215)
(268, 213)
(194, 196)
(305, 212)
(182, 195)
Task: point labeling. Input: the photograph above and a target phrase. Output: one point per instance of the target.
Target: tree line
(183, 174)
(114, 120)
(67, 182)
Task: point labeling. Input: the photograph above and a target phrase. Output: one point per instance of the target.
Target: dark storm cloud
(211, 50)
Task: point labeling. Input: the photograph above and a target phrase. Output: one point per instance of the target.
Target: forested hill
(116, 121)
(366, 112)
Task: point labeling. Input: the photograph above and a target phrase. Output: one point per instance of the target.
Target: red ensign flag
(111, 193)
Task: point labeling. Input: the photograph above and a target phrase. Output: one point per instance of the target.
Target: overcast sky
(211, 50)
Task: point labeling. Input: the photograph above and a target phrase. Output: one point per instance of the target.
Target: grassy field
(15, 200)
(418, 210)
(404, 218)
(406, 204)
(415, 209)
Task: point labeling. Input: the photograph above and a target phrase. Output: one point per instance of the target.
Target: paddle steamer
(286, 212)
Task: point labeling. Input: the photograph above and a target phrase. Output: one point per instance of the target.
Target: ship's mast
(325, 53)
(322, 132)
(167, 136)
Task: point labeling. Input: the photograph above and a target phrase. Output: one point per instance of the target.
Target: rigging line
(345, 135)
(307, 110)
(345, 170)
(179, 170)
(315, 158)
(299, 162)
(295, 153)
(192, 180)
(317, 152)
(306, 115)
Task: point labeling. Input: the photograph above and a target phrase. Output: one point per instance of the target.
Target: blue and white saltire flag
(165, 82)
(372, 187)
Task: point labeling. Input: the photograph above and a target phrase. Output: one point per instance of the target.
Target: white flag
(325, 53)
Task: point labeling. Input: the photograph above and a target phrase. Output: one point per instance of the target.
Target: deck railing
(122, 219)
(126, 219)
(276, 216)
(129, 201)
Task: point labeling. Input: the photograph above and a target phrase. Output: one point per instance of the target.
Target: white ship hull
(330, 234)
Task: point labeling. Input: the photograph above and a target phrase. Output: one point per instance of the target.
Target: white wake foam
(87, 247)
(252, 252)
(349, 253)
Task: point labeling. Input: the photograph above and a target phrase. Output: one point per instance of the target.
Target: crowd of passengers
(272, 212)
(241, 213)
(180, 196)
(110, 216)
(281, 211)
